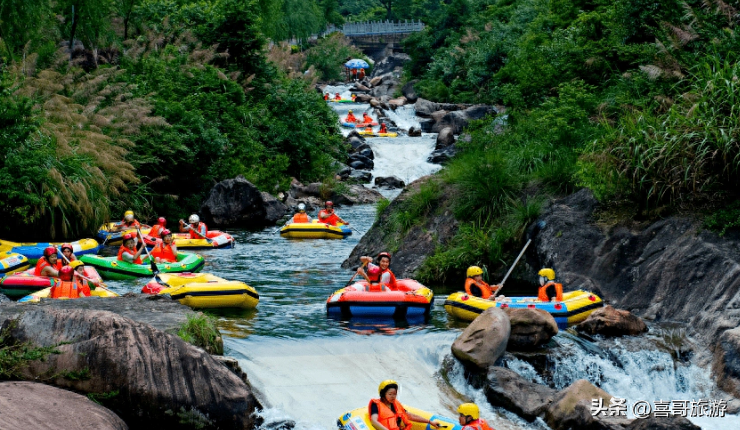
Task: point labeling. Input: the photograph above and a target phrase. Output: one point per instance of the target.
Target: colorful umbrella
(356, 63)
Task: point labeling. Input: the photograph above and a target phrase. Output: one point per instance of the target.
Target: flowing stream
(312, 369)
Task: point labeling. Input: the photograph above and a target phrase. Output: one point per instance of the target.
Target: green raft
(111, 268)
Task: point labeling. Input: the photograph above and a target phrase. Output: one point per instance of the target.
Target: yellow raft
(11, 262)
(99, 291)
(106, 236)
(374, 134)
(314, 230)
(359, 419)
(203, 290)
(575, 307)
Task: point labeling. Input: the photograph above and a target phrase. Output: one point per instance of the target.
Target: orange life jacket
(43, 263)
(164, 252)
(479, 424)
(337, 97)
(375, 279)
(483, 291)
(64, 262)
(333, 219)
(326, 96)
(123, 249)
(366, 119)
(350, 118)
(69, 290)
(383, 129)
(155, 231)
(194, 235)
(542, 294)
(133, 224)
(300, 217)
(389, 419)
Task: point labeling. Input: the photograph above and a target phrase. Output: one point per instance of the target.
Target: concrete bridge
(377, 39)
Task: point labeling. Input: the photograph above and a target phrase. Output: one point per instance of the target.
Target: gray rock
(505, 388)
(376, 81)
(445, 138)
(441, 156)
(571, 407)
(360, 87)
(609, 321)
(345, 172)
(484, 340)
(726, 363)
(367, 153)
(460, 119)
(427, 125)
(414, 132)
(409, 92)
(363, 147)
(357, 194)
(236, 202)
(391, 63)
(274, 208)
(363, 98)
(4, 299)
(361, 175)
(397, 102)
(438, 115)
(32, 405)
(364, 162)
(530, 328)
(355, 142)
(425, 108)
(389, 182)
(662, 423)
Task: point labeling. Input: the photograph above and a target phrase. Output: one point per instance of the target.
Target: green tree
(22, 21)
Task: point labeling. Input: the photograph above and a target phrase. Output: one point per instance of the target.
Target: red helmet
(50, 251)
(384, 254)
(165, 232)
(128, 236)
(65, 273)
(161, 221)
(67, 246)
(329, 203)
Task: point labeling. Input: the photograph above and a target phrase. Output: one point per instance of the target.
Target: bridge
(377, 39)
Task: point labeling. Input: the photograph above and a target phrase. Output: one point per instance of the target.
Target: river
(311, 368)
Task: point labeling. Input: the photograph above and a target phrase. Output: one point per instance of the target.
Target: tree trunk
(72, 32)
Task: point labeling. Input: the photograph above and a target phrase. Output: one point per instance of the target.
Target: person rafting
(301, 216)
(127, 252)
(326, 97)
(378, 277)
(128, 222)
(69, 288)
(337, 96)
(79, 272)
(48, 264)
(387, 413)
(470, 417)
(166, 250)
(156, 230)
(368, 129)
(550, 291)
(328, 216)
(197, 229)
(68, 252)
(366, 119)
(350, 117)
(383, 128)
(476, 286)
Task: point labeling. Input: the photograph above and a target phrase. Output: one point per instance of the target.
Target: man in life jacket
(337, 96)
(166, 250)
(301, 216)
(156, 230)
(350, 117)
(68, 253)
(550, 291)
(127, 252)
(470, 418)
(128, 222)
(48, 264)
(387, 413)
(361, 74)
(328, 216)
(378, 277)
(383, 128)
(79, 273)
(68, 288)
(366, 119)
(476, 286)
(197, 229)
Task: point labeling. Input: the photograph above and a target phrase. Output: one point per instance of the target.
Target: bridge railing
(376, 28)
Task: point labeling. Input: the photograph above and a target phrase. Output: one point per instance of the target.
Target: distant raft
(111, 268)
(315, 230)
(216, 240)
(374, 134)
(11, 262)
(203, 290)
(34, 251)
(359, 419)
(411, 299)
(575, 307)
(106, 236)
(341, 101)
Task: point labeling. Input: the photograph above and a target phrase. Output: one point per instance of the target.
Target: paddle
(539, 226)
(100, 282)
(154, 267)
(355, 275)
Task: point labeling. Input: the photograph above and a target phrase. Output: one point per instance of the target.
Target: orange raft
(411, 299)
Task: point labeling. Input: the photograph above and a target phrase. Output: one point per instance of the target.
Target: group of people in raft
(366, 119)
(70, 271)
(387, 413)
(549, 291)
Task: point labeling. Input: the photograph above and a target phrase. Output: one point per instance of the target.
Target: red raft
(22, 284)
(411, 299)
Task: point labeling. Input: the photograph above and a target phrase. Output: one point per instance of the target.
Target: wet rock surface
(726, 363)
(571, 407)
(389, 182)
(530, 328)
(505, 388)
(238, 203)
(608, 321)
(484, 340)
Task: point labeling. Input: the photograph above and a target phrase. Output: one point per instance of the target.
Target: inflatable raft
(218, 239)
(22, 284)
(359, 419)
(111, 268)
(11, 262)
(314, 230)
(374, 134)
(575, 307)
(44, 294)
(341, 101)
(34, 251)
(203, 290)
(105, 236)
(411, 299)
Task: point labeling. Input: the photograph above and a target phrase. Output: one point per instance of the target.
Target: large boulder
(361, 176)
(390, 64)
(356, 195)
(414, 132)
(608, 321)
(726, 363)
(530, 328)
(389, 182)
(445, 138)
(425, 108)
(441, 156)
(363, 98)
(274, 208)
(460, 119)
(484, 340)
(236, 202)
(409, 92)
(397, 102)
(376, 81)
(31, 405)
(359, 161)
(662, 423)
(571, 407)
(158, 380)
(505, 388)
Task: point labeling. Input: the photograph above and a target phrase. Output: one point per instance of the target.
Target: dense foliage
(150, 122)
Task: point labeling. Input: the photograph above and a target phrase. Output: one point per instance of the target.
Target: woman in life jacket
(470, 418)
(350, 117)
(166, 250)
(301, 216)
(68, 253)
(127, 252)
(476, 286)
(156, 230)
(48, 264)
(328, 216)
(68, 288)
(387, 413)
(79, 273)
(197, 229)
(128, 222)
(550, 291)
(378, 277)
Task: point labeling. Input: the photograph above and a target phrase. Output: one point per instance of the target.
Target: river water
(312, 369)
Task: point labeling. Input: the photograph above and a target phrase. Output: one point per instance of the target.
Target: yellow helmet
(547, 273)
(350, 111)
(470, 410)
(75, 264)
(386, 384)
(474, 271)
(127, 213)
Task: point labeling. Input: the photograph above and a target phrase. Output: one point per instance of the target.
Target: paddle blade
(154, 267)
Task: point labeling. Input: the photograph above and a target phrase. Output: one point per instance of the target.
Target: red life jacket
(155, 231)
(133, 224)
(192, 231)
(123, 250)
(542, 293)
(333, 219)
(43, 263)
(375, 279)
(479, 424)
(388, 418)
(164, 252)
(69, 290)
(300, 217)
(484, 289)
(383, 129)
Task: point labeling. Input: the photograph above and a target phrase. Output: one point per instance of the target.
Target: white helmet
(194, 219)
(301, 207)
